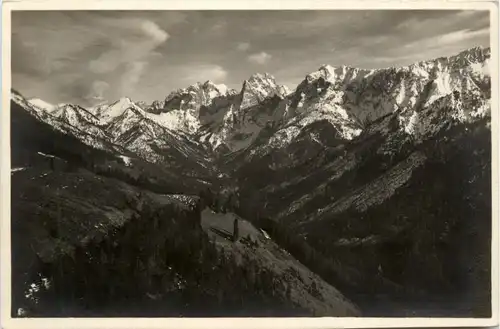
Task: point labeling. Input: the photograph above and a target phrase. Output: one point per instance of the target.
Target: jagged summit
(123, 103)
(208, 84)
(477, 53)
(259, 87)
(263, 75)
(260, 78)
(108, 112)
(221, 88)
(332, 74)
(124, 99)
(470, 55)
(75, 115)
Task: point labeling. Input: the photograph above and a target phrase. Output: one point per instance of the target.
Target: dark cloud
(88, 56)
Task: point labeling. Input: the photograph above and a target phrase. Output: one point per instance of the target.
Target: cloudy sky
(86, 57)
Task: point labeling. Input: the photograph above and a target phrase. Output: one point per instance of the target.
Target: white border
(54, 323)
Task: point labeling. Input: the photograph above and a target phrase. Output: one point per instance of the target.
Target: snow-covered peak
(259, 87)
(41, 104)
(155, 107)
(473, 55)
(141, 104)
(325, 71)
(123, 103)
(75, 115)
(214, 90)
(223, 89)
(208, 84)
(194, 97)
(20, 100)
(106, 113)
(261, 76)
(263, 79)
(336, 75)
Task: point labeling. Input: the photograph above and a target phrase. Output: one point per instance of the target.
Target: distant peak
(259, 87)
(222, 88)
(40, 103)
(197, 86)
(474, 52)
(329, 73)
(262, 79)
(477, 48)
(208, 83)
(260, 76)
(327, 67)
(124, 100)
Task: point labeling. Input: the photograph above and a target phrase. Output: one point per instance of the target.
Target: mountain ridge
(225, 117)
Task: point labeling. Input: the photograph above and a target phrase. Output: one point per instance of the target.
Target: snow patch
(265, 234)
(107, 113)
(481, 68)
(410, 127)
(301, 101)
(222, 88)
(46, 155)
(177, 120)
(127, 160)
(41, 104)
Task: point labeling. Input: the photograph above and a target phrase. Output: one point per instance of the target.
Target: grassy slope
(298, 279)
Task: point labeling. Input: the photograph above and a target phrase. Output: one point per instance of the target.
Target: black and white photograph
(251, 163)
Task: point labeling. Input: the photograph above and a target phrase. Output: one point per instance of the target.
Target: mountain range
(382, 173)
(225, 120)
